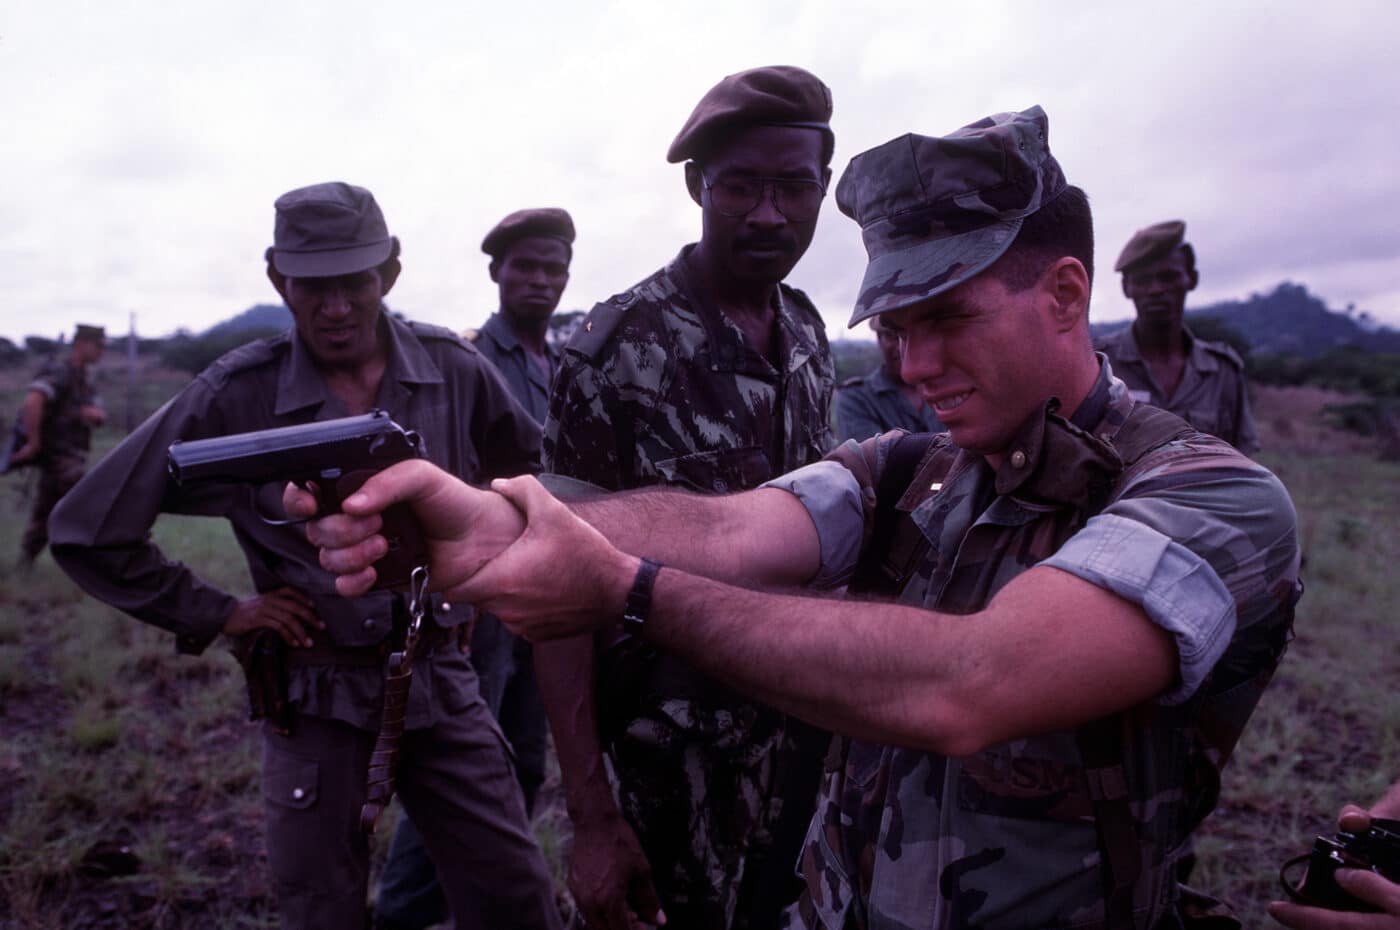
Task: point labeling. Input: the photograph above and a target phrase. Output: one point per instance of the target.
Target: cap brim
(331, 262)
(899, 278)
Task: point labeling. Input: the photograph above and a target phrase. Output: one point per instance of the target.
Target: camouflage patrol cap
(935, 211)
(545, 222)
(328, 229)
(778, 95)
(1155, 241)
(90, 332)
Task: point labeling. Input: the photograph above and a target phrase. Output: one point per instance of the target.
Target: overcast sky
(142, 142)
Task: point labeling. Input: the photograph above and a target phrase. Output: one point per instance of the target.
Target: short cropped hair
(1063, 227)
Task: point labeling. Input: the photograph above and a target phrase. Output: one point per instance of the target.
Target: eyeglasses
(798, 199)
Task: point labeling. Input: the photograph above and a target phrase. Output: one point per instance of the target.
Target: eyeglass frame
(769, 184)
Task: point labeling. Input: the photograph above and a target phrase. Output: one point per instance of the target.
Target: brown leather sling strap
(399, 676)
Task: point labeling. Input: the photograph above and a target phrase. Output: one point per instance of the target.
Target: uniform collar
(498, 330)
(300, 385)
(1197, 356)
(1069, 462)
(729, 351)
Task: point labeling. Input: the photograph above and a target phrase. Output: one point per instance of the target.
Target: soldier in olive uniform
(58, 416)
(333, 262)
(1084, 597)
(1159, 359)
(875, 403)
(710, 375)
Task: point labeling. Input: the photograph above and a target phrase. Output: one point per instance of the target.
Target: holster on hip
(263, 656)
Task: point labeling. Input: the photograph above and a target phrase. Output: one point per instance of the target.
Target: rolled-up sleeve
(1176, 588)
(832, 497)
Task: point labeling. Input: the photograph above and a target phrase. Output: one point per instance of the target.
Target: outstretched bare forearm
(914, 677)
(756, 538)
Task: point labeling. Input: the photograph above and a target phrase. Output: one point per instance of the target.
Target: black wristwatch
(638, 605)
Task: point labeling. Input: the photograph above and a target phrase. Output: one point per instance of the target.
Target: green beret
(544, 222)
(779, 95)
(1155, 241)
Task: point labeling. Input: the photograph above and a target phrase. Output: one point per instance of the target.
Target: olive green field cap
(89, 332)
(778, 95)
(542, 222)
(935, 211)
(327, 230)
(1155, 241)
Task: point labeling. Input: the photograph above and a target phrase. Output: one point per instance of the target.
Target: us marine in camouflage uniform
(710, 375)
(1159, 358)
(1087, 596)
(58, 415)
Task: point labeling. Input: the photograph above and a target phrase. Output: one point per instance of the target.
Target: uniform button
(721, 485)
(1018, 459)
(369, 623)
(298, 794)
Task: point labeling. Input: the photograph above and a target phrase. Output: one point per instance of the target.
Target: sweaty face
(762, 245)
(977, 354)
(531, 277)
(1158, 288)
(338, 317)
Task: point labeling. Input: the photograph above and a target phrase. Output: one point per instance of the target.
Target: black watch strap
(638, 605)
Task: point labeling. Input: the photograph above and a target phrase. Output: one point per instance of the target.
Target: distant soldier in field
(58, 416)
(710, 375)
(530, 254)
(871, 404)
(316, 661)
(1159, 359)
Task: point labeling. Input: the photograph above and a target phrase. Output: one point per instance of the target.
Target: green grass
(1326, 731)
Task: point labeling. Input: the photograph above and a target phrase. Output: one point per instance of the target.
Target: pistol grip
(406, 548)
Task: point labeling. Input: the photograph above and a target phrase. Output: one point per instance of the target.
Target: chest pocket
(719, 471)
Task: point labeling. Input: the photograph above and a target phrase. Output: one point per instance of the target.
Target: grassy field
(129, 793)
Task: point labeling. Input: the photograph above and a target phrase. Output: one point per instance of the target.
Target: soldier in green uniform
(1083, 596)
(333, 262)
(871, 404)
(710, 375)
(1158, 357)
(58, 416)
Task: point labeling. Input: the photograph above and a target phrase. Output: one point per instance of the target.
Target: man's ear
(1194, 277)
(1123, 280)
(1065, 286)
(389, 270)
(494, 269)
(694, 182)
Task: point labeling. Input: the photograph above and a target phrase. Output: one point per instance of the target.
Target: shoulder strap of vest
(903, 461)
(1100, 741)
(1147, 428)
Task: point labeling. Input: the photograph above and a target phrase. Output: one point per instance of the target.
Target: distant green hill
(1290, 321)
(259, 318)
